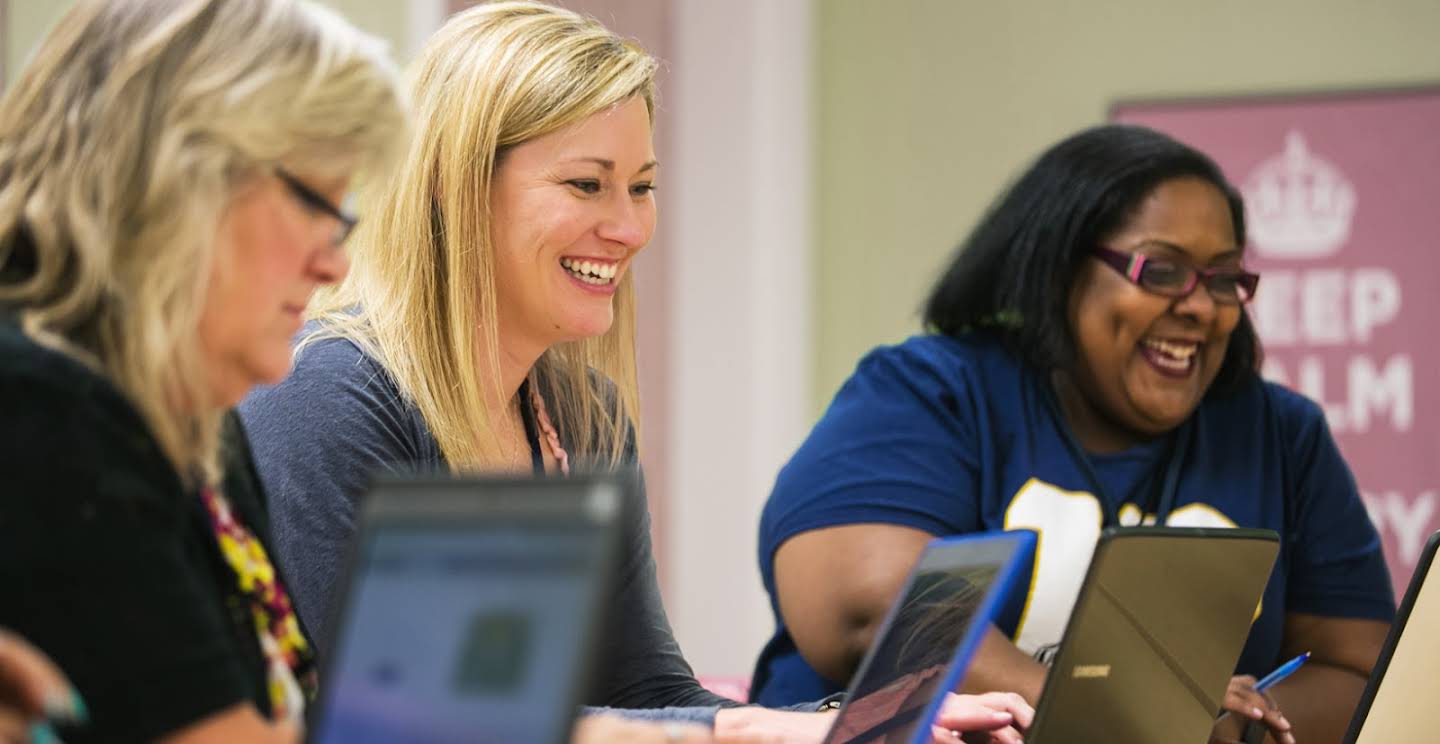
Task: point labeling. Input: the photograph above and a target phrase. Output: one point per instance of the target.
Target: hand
(1243, 705)
(603, 729)
(755, 724)
(31, 688)
(992, 718)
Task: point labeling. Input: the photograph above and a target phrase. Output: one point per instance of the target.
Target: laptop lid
(470, 610)
(925, 644)
(1399, 700)
(1151, 645)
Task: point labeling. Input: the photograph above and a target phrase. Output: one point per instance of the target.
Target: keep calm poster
(1342, 194)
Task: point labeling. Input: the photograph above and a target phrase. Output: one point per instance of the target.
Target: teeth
(1178, 352)
(590, 272)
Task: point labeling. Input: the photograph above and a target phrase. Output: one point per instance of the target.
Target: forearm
(1319, 701)
(1001, 667)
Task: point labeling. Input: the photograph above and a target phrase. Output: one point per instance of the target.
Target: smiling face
(272, 252)
(571, 210)
(1146, 361)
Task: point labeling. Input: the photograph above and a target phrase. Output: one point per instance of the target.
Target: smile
(597, 273)
(1171, 358)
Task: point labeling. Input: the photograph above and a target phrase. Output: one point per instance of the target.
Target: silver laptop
(470, 610)
(1399, 702)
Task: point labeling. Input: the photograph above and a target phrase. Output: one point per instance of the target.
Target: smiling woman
(1091, 364)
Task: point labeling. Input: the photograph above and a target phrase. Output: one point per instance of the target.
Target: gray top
(318, 437)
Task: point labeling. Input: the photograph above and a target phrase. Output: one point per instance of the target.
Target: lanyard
(1174, 458)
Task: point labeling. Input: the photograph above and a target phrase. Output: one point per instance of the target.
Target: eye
(642, 189)
(1161, 273)
(585, 185)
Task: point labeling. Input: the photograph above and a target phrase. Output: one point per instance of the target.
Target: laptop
(1399, 701)
(931, 632)
(470, 610)
(1152, 642)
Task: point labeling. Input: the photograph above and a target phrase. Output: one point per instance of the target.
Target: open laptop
(470, 610)
(929, 635)
(1399, 701)
(1152, 642)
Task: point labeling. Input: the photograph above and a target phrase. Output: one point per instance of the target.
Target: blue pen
(1281, 672)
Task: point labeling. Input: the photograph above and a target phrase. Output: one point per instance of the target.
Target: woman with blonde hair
(169, 174)
(489, 322)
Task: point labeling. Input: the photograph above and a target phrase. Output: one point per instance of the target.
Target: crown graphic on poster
(1298, 205)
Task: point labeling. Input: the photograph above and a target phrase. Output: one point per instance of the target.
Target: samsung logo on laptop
(1090, 671)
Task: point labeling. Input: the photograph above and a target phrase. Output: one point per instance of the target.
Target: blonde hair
(120, 147)
(422, 283)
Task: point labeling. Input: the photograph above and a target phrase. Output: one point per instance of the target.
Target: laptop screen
(1403, 708)
(941, 610)
(467, 634)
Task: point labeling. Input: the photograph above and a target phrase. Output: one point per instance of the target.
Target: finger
(973, 718)
(1007, 735)
(941, 735)
(41, 688)
(1279, 726)
(12, 726)
(1246, 703)
(1014, 704)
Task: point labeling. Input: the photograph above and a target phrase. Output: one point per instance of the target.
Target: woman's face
(273, 250)
(1147, 360)
(571, 210)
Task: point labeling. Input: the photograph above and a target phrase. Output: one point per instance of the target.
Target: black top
(337, 419)
(108, 563)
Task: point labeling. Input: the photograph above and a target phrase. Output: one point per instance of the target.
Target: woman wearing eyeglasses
(168, 176)
(1088, 346)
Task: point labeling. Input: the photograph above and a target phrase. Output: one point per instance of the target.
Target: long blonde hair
(120, 146)
(422, 283)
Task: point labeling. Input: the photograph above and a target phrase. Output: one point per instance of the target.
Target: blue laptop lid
(929, 637)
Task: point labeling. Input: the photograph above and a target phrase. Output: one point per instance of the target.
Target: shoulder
(934, 368)
(1267, 405)
(330, 374)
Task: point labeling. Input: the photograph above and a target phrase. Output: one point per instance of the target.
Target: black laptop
(470, 610)
(1399, 701)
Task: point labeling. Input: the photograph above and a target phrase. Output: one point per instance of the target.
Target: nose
(628, 221)
(1198, 305)
(330, 264)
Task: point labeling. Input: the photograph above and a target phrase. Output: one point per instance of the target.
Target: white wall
(738, 200)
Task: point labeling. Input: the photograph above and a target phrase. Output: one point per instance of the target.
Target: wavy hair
(121, 144)
(422, 282)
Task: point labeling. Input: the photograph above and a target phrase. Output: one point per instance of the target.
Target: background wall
(927, 107)
(820, 160)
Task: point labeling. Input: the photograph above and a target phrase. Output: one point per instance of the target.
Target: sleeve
(897, 446)
(1337, 565)
(641, 663)
(97, 569)
(318, 438)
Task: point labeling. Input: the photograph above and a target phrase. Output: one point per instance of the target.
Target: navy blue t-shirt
(952, 436)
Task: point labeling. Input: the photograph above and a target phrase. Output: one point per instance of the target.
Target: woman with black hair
(1090, 363)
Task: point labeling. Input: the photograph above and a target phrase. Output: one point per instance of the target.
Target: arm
(317, 439)
(642, 663)
(1320, 698)
(834, 621)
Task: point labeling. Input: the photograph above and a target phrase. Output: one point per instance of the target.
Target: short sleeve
(897, 446)
(318, 439)
(99, 563)
(1337, 565)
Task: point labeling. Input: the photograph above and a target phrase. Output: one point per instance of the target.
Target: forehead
(1189, 213)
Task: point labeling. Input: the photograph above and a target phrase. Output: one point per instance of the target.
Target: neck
(1097, 433)
(516, 357)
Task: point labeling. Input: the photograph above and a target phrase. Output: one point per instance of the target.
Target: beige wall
(926, 107)
(29, 20)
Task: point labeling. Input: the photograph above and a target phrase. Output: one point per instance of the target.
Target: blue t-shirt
(952, 436)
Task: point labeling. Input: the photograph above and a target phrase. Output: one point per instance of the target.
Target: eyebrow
(1235, 252)
(609, 165)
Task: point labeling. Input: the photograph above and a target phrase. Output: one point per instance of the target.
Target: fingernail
(1257, 713)
(41, 733)
(66, 706)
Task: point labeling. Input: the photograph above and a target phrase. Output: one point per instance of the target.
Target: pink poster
(1342, 193)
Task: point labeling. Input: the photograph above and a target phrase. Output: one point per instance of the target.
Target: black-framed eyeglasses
(315, 202)
(1171, 278)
